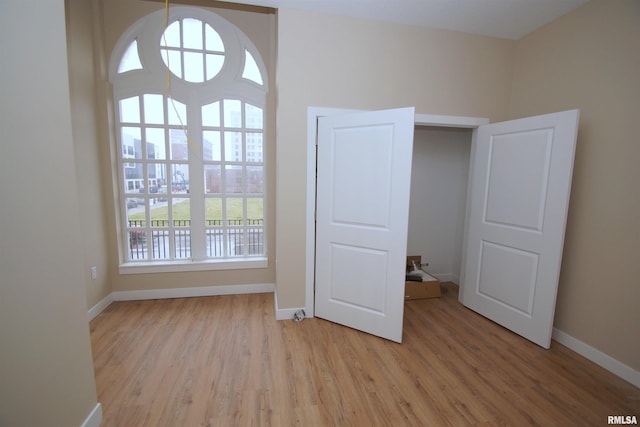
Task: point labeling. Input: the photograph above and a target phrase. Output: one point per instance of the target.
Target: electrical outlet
(94, 272)
(424, 264)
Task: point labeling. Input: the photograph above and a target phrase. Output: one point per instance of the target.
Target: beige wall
(333, 61)
(87, 149)
(115, 16)
(46, 370)
(590, 59)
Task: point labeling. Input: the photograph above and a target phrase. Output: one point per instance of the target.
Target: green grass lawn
(182, 210)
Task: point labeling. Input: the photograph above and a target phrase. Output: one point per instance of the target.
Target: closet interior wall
(439, 179)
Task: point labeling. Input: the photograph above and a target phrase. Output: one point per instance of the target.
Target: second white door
(520, 183)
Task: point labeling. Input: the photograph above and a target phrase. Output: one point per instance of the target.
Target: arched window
(189, 94)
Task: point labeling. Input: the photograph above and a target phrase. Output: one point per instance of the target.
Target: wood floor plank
(226, 361)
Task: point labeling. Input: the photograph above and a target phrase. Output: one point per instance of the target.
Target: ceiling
(510, 19)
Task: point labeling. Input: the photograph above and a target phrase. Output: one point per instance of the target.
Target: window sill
(183, 266)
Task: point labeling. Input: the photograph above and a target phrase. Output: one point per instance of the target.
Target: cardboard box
(420, 290)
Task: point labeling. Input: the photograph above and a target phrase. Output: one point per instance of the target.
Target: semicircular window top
(251, 70)
(130, 59)
(192, 46)
(192, 50)
(190, 100)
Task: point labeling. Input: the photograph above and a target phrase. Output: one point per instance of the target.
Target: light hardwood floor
(225, 361)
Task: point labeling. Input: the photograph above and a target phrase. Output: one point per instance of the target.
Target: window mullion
(223, 180)
(245, 201)
(196, 181)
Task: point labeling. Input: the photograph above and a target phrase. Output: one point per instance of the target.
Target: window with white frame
(189, 93)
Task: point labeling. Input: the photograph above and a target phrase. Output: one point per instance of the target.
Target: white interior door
(520, 181)
(363, 185)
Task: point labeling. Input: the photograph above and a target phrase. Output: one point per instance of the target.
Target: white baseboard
(100, 306)
(287, 313)
(612, 365)
(201, 291)
(447, 277)
(95, 417)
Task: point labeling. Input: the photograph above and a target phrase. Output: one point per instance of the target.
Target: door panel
(364, 175)
(513, 286)
(361, 176)
(519, 194)
(361, 294)
(518, 173)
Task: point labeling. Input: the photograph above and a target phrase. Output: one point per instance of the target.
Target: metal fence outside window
(240, 237)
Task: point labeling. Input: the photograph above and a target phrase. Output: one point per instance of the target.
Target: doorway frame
(312, 137)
